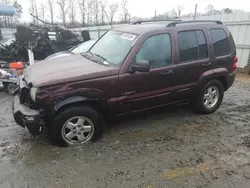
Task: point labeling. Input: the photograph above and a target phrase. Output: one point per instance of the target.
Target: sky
(146, 8)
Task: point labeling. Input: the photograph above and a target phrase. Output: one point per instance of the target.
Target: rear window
(220, 42)
(192, 45)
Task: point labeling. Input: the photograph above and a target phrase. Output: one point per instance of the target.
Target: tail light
(235, 63)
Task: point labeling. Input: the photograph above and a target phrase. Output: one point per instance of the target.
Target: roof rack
(144, 21)
(173, 24)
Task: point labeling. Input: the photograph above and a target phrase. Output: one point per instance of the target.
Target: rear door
(193, 60)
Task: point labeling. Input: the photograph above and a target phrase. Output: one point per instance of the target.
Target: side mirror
(140, 66)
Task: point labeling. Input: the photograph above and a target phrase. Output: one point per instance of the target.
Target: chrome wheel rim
(77, 130)
(211, 97)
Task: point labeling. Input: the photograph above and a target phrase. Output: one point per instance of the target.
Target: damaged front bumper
(26, 117)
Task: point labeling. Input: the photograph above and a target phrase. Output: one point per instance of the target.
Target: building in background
(7, 22)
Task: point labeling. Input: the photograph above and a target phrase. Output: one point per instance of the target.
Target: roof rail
(144, 21)
(173, 24)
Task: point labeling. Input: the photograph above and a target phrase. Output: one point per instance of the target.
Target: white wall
(238, 23)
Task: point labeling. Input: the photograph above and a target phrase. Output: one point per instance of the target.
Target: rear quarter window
(220, 42)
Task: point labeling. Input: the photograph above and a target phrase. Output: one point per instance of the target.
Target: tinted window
(203, 53)
(188, 45)
(192, 45)
(156, 50)
(220, 41)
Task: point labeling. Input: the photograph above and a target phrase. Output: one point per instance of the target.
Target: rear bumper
(27, 118)
(231, 79)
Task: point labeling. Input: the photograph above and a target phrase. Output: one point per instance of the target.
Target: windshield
(114, 46)
(83, 47)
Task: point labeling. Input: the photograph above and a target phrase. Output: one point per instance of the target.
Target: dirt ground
(168, 148)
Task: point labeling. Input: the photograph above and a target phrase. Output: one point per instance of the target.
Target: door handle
(206, 64)
(167, 73)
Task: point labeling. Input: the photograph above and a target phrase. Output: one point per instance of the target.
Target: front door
(140, 90)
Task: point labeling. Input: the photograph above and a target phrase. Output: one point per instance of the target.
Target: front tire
(12, 88)
(210, 97)
(76, 125)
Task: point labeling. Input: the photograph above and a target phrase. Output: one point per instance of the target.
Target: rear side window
(220, 42)
(202, 44)
(192, 45)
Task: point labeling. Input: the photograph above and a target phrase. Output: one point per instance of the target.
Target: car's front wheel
(76, 125)
(210, 97)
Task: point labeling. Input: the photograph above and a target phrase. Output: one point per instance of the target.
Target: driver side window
(157, 50)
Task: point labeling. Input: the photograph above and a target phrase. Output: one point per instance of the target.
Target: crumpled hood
(65, 69)
(59, 54)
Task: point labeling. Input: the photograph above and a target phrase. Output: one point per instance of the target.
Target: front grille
(24, 95)
(24, 91)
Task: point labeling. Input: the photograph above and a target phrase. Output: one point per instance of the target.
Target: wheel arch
(95, 103)
(220, 74)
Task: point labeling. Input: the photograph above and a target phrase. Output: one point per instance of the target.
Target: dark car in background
(129, 69)
(83, 47)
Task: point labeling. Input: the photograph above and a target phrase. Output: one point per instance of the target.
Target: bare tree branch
(103, 11)
(63, 10)
(82, 7)
(179, 10)
(174, 14)
(96, 9)
(72, 13)
(33, 10)
(89, 11)
(42, 12)
(51, 10)
(112, 9)
(124, 11)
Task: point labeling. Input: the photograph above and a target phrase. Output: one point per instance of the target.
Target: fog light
(29, 118)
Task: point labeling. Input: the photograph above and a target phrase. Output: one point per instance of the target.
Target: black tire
(12, 88)
(199, 104)
(55, 128)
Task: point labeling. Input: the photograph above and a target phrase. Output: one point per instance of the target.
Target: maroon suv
(129, 69)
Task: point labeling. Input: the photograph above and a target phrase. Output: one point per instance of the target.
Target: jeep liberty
(129, 69)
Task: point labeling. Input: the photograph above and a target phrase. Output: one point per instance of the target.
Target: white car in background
(83, 47)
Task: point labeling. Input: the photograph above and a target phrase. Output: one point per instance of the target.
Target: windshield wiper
(105, 61)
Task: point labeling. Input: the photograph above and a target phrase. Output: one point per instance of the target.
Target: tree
(63, 8)
(96, 9)
(174, 14)
(72, 12)
(33, 10)
(89, 11)
(112, 9)
(210, 10)
(82, 6)
(42, 12)
(227, 11)
(51, 10)
(124, 11)
(103, 11)
(19, 10)
(179, 10)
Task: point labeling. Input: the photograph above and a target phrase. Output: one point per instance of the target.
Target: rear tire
(90, 120)
(210, 97)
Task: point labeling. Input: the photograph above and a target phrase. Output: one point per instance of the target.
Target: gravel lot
(168, 148)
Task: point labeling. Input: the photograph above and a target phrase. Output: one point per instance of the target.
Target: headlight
(33, 94)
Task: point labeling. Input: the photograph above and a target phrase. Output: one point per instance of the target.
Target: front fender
(74, 100)
(67, 101)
